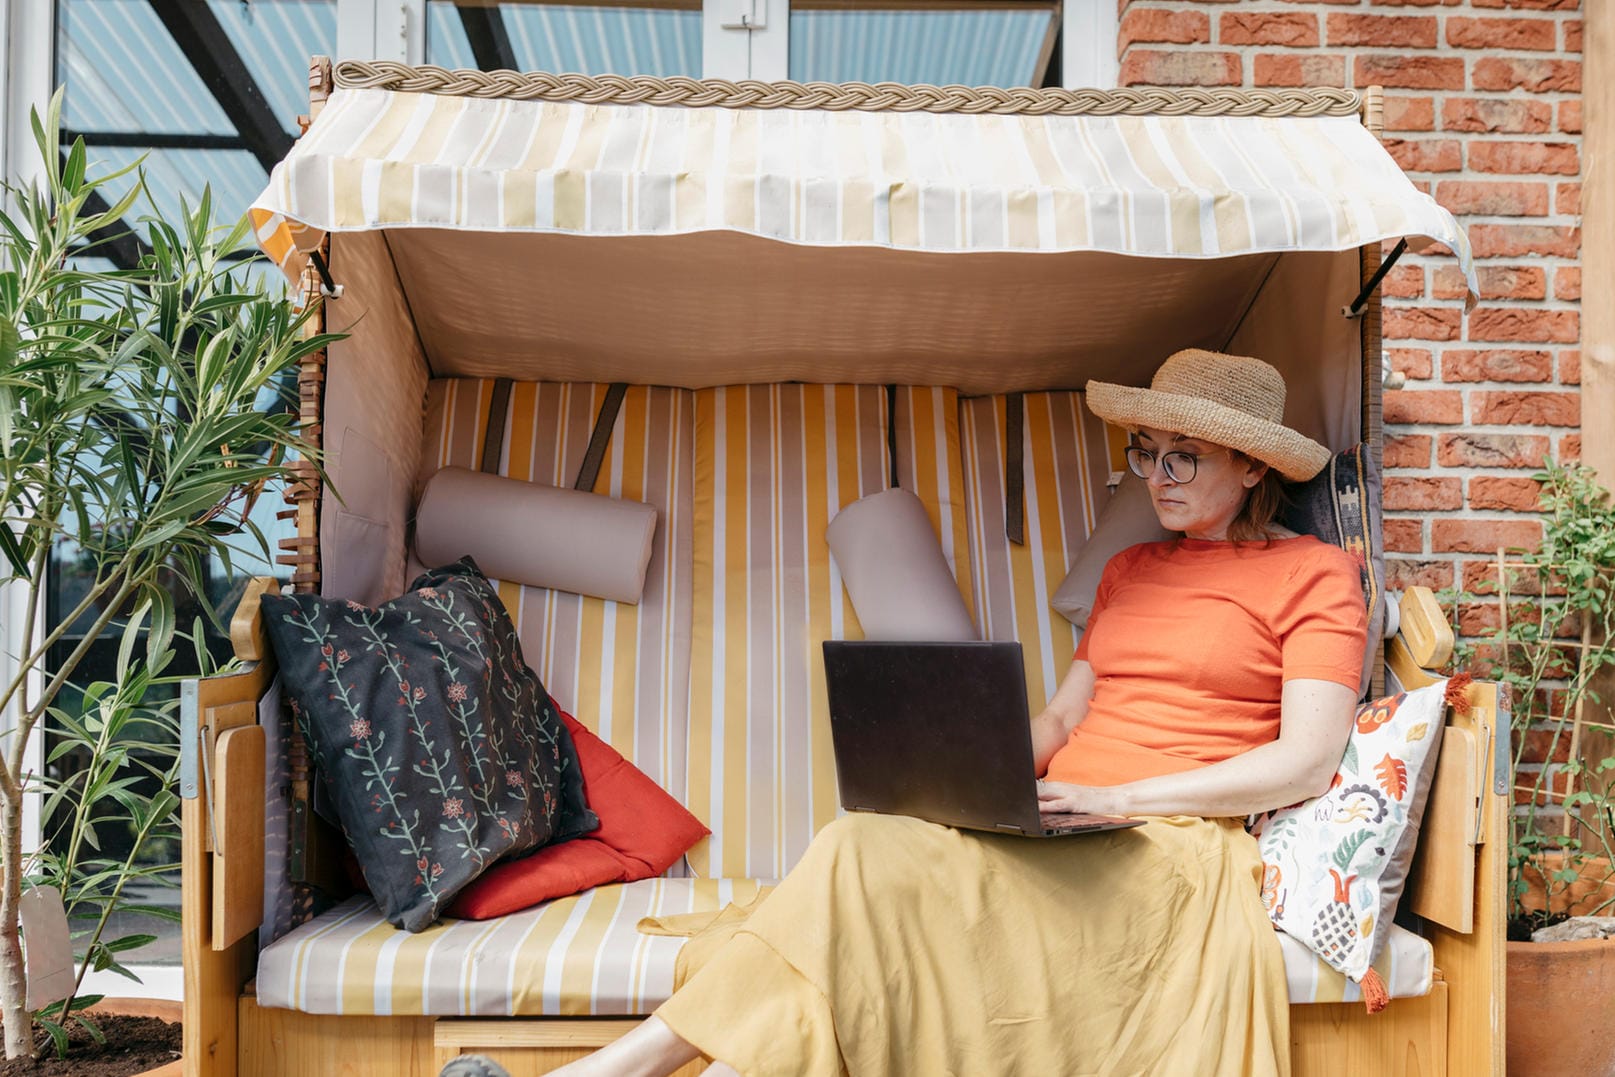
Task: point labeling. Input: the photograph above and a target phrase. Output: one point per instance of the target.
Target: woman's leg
(651, 1049)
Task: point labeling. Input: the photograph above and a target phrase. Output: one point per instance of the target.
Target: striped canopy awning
(1157, 186)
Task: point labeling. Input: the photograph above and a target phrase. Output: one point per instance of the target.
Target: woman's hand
(1061, 797)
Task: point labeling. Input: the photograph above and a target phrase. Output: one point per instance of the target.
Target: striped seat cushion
(1406, 965)
(582, 956)
(621, 669)
(573, 957)
(1066, 463)
(773, 465)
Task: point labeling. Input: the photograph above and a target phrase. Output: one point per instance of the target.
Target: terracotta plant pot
(165, 1009)
(1559, 1008)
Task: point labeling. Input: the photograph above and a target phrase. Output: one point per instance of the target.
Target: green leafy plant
(127, 733)
(141, 411)
(1553, 646)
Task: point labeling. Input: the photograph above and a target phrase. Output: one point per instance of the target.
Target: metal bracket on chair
(328, 287)
(1360, 304)
(190, 740)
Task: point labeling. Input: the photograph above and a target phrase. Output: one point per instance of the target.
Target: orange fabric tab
(1374, 994)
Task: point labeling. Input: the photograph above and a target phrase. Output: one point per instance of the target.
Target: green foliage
(1549, 671)
(141, 412)
(51, 1019)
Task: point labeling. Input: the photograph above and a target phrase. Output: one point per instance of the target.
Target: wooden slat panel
(213, 978)
(248, 687)
(238, 860)
(275, 1043)
(1406, 1039)
(214, 975)
(1474, 963)
(1442, 887)
(532, 1048)
(283, 1043)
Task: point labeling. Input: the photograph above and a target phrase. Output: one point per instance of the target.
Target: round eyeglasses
(1180, 466)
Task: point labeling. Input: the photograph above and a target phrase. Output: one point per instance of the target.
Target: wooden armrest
(223, 786)
(247, 634)
(1424, 628)
(1442, 887)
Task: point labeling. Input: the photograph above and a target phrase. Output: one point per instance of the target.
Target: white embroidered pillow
(1333, 867)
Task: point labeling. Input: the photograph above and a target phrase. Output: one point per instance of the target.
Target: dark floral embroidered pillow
(439, 746)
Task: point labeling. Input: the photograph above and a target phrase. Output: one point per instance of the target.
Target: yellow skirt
(900, 947)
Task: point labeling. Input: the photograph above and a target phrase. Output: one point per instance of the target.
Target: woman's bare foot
(649, 1050)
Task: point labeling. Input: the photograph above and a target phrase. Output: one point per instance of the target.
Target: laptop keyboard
(1071, 822)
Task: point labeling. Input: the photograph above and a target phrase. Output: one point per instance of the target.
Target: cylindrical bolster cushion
(895, 570)
(541, 536)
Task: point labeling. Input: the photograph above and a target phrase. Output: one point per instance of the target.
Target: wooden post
(1598, 243)
(1370, 328)
(1598, 285)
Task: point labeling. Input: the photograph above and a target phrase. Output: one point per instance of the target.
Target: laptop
(940, 731)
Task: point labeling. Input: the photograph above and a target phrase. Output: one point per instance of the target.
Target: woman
(1216, 678)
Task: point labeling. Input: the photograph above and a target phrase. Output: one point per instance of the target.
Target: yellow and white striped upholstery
(1197, 186)
(1406, 965)
(582, 955)
(773, 465)
(622, 670)
(576, 956)
(1066, 464)
(746, 479)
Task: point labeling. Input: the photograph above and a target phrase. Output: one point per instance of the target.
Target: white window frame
(730, 51)
(1088, 37)
(26, 77)
(381, 30)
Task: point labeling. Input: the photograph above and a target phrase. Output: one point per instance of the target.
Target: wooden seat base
(1407, 1039)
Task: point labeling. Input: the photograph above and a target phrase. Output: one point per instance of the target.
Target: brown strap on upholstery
(1014, 469)
(601, 437)
(493, 441)
(891, 436)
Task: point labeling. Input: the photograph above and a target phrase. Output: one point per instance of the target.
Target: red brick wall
(1482, 110)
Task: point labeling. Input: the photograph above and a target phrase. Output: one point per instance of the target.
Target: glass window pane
(941, 48)
(617, 40)
(276, 41)
(175, 176)
(128, 74)
(96, 41)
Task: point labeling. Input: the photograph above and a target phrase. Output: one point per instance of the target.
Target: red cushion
(643, 831)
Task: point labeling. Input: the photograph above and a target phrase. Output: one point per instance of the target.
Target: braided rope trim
(838, 97)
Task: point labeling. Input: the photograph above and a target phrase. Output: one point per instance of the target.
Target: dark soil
(1519, 929)
(134, 1045)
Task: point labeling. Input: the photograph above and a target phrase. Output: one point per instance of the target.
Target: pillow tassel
(1458, 691)
(1374, 994)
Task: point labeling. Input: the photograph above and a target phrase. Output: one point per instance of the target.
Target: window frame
(1087, 32)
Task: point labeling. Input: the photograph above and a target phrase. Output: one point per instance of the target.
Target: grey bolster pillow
(1127, 519)
(541, 536)
(895, 570)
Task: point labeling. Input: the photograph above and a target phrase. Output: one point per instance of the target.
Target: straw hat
(1232, 400)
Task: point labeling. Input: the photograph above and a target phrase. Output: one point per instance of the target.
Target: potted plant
(141, 411)
(1553, 646)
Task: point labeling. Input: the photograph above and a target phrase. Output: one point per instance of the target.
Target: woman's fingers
(1054, 797)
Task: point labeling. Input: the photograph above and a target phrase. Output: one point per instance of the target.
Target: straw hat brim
(1295, 456)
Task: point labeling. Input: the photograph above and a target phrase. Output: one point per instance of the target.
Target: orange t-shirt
(1191, 643)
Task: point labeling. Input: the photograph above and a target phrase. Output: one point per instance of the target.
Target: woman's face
(1207, 504)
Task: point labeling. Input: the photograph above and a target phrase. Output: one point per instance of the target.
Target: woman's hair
(1255, 521)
